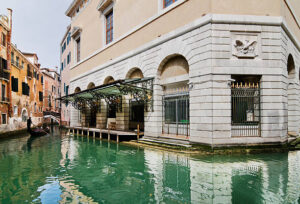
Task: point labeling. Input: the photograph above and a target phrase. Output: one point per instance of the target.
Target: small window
(3, 93)
(14, 84)
(12, 57)
(41, 96)
(68, 38)
(17, 61)
(3, 118)
(69, 58)
(62, 66)
(3, 39)
(109, 27)
(78, 49)
(65, 63)
(168, 2)
(42, 79)
(67, 90)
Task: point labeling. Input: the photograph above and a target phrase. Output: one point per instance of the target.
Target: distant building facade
(65, 59)
(26, 89)
(224, 72)
(51, 91)
(5, 38)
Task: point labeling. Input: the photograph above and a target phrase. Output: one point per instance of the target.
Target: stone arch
(91, 85)
(293, 99)
(173, 75)
(174, 65)
(291, 67)
(24, 115)
(108, 80)
(134, 73)
(77, 89)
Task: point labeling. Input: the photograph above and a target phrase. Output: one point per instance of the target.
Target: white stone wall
(212, 58)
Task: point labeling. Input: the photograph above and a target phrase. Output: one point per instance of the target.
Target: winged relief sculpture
(246, 48)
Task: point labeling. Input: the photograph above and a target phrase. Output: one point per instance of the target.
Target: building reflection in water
(225, 179)
(70, 190)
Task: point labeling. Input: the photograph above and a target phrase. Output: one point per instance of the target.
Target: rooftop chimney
(10, 18)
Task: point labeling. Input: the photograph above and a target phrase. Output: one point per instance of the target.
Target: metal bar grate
(176, 117)
(245, 109)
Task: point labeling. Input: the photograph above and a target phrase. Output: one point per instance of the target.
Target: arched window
(91, 85)
(174, 76)
(134, 73)
(77, 90)
(24, 115)
(108, 80)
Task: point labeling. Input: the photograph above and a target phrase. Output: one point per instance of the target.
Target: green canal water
(65, 169)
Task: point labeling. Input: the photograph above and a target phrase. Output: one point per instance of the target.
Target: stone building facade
(5, 40)
(224, 72)
(51, 91)
(26, 89)
(65, 59)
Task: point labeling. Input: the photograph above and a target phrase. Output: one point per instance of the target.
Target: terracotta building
(5, 38)
(216, 72)
(65, 59)
(51, 91)
(26, 89)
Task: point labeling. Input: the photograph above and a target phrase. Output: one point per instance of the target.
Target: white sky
(38, 27)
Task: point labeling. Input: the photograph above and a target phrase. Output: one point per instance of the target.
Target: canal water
(65, 169)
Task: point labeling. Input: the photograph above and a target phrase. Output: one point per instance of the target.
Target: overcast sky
(38, 27)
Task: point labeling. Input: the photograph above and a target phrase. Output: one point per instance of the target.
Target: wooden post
(100, 133)
(94, 134)
(73, 131)
(108, 135)
(117, 138)
(77, 132)
(138, 132)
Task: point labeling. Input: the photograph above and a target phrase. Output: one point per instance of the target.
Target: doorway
(136, 115)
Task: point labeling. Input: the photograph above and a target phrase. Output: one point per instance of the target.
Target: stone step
(166, 142)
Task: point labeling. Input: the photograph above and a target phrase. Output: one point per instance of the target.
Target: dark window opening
(14, 84)
(111, 111)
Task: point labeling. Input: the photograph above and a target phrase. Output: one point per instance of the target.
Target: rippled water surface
(64, 169)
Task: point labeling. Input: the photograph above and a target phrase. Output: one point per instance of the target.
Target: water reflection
(67, 169)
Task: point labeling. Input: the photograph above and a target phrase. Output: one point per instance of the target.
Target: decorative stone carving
(245, 45)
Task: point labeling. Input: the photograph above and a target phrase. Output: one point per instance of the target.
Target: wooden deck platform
(93, 131)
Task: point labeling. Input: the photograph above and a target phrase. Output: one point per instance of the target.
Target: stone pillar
(101, 116)
(153, 120)
(122, 118)
(293, 101)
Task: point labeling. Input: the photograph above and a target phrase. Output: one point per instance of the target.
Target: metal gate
(245, 109)
(176, 116)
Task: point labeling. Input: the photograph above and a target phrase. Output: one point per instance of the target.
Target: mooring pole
(138, 132)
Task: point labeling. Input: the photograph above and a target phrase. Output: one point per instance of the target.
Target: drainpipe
(9, 62)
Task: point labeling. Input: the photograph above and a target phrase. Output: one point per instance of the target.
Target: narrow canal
(65, 169)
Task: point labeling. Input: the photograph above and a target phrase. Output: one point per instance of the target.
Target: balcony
(4, 76)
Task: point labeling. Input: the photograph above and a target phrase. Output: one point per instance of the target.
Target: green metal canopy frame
(139, 89)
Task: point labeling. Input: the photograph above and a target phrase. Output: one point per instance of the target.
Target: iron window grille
(245, 109)
(176, 114)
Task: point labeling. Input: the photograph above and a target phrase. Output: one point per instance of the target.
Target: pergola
(141, 90)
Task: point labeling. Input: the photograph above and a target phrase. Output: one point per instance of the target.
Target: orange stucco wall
(22, 101)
